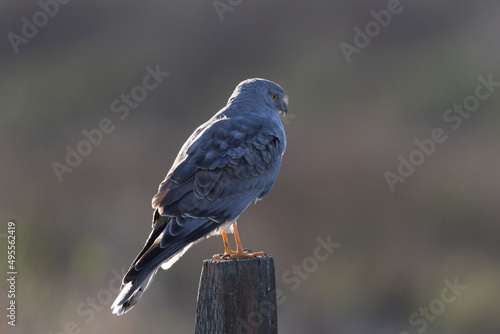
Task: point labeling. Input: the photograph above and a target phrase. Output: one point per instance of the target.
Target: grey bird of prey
(227, 163)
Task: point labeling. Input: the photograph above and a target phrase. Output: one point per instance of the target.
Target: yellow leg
(239, 253)
(227, 248)
(239, 247)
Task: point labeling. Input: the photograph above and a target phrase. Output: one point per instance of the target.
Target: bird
(227, 163)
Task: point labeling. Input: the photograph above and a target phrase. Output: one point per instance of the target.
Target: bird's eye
(274, 97)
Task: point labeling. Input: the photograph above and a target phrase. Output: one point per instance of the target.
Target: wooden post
(237, 296)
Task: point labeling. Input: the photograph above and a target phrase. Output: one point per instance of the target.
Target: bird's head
(265, 91)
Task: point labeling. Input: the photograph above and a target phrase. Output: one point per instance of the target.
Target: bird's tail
(170, 239)
(131, 293)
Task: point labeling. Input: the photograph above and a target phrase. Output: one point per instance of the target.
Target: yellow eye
(274, 97)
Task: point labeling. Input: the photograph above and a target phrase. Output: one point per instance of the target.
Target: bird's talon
(246, 250)
(260, 254)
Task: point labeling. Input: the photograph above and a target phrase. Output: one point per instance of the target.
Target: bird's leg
(227, 248)
(240, 252)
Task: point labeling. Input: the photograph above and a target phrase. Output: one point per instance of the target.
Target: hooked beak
(284, 106)
(284, 110)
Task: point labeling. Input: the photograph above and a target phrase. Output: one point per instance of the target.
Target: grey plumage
(227, 163)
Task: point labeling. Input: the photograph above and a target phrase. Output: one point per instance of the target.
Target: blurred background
(365, 80)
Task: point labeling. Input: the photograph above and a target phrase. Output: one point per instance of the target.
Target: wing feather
(218, 178)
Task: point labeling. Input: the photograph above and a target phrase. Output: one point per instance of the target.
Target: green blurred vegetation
(347, 125)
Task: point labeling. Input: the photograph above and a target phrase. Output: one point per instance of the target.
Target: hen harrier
(226, 164)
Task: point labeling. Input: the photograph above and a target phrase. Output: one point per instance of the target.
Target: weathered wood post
(237, 296)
